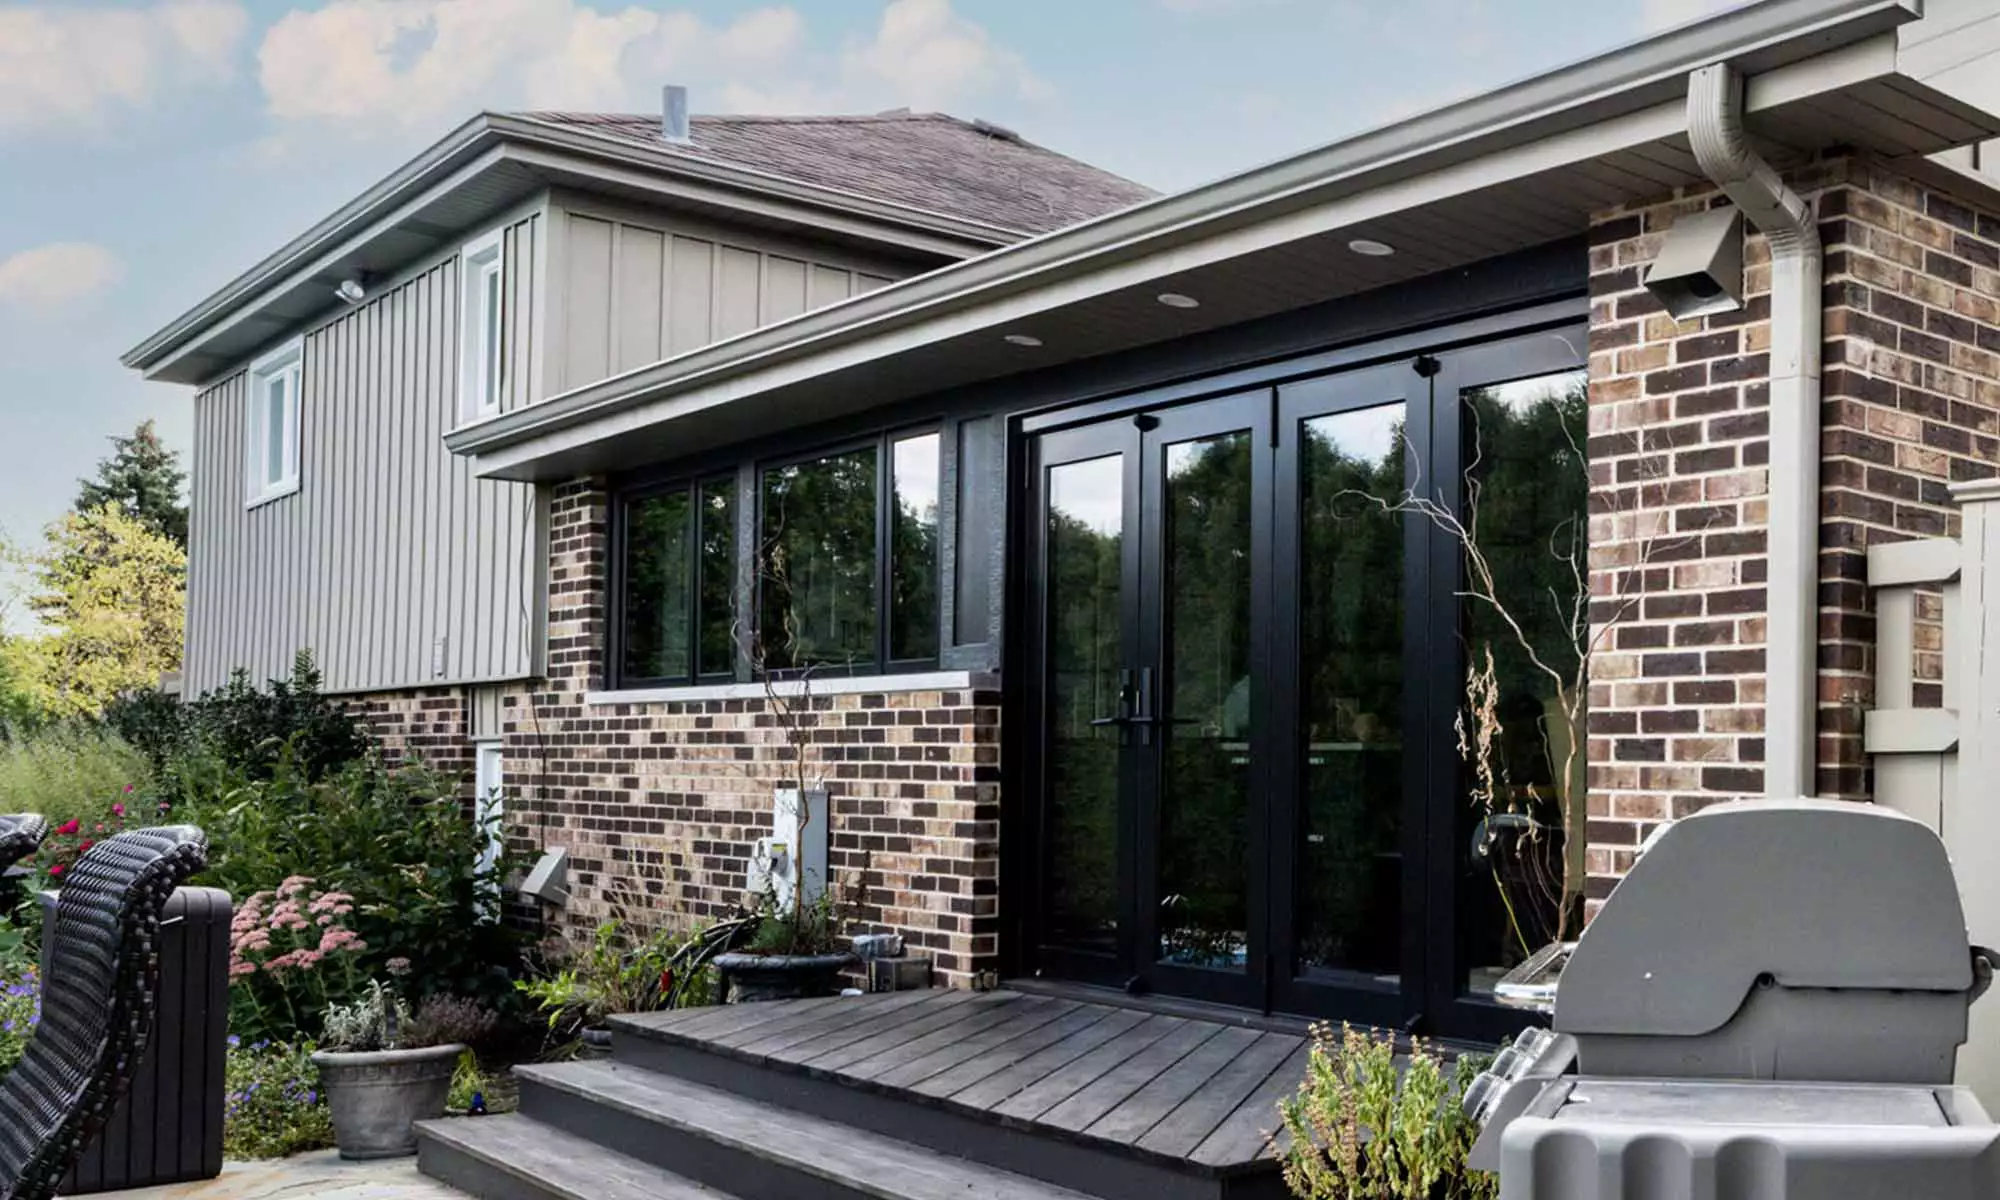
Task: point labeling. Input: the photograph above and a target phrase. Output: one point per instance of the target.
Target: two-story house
(1138, 670)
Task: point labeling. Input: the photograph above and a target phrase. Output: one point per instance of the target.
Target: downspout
(1791, 657)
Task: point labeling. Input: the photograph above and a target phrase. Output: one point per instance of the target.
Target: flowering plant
(292, 954)
(273, 1106)
(20, 1009)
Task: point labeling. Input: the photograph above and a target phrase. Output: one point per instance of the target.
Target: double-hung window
(482, 326)
(271, 424)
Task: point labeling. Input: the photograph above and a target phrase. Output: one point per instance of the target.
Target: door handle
(1125, 699)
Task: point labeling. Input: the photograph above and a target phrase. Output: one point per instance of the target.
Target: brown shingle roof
(930, 161)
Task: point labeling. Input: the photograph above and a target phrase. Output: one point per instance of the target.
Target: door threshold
(1218, 1014)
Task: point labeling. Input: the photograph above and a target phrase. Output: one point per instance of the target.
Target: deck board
(1004, 1079)
(1245, 1133)
(1160, 1085)
(1180, 1131)
(920, 1068)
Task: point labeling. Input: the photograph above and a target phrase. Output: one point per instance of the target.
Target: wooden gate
(1940, 761)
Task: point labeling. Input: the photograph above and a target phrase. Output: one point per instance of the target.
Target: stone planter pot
(377, 1096)
(753, 977)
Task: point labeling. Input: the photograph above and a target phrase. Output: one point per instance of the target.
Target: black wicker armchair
(20, 836)
(97, 1003)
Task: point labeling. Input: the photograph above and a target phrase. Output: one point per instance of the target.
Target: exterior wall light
(1022, 339)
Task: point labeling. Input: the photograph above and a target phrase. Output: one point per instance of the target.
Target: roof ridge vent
(996, 131)
(674, 114)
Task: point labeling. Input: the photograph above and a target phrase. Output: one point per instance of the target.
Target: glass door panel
(1204, 801)
(1085, 630)
(1351, 629)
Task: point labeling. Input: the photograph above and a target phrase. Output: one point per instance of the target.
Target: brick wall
(429, 724)
(1679, 447)
(660, 804)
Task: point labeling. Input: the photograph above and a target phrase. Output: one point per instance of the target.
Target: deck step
(753, 1148)
(514, 1157)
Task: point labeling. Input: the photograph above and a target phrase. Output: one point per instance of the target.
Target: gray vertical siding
(635, 287)
(391, 562)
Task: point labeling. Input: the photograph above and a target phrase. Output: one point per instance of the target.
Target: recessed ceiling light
(1371, 247)
(1022, 339)
(1177, 300)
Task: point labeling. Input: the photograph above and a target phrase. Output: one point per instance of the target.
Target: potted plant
(381, 1074)
(786, 952)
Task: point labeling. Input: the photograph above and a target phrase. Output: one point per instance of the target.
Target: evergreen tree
(143, 478)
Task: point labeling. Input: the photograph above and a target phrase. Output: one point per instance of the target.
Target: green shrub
(248, 730)
(610, 974)
(1363, 1128)
(398, 841)
(71, 771)
(274, 1107)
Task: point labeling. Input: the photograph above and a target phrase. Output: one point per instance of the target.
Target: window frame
(694, 486)
(883, 443)
(287, 362)
(482, 367)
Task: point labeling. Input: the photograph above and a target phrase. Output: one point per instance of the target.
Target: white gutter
(1791, 661)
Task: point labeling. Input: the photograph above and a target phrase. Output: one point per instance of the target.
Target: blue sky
(150, 152)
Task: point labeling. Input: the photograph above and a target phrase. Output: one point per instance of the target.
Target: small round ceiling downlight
(1178, 300)
(1022, 339)
(1371, 248)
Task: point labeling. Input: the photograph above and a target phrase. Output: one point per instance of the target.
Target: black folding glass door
(1248, 691)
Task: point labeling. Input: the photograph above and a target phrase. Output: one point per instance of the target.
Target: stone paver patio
(316, 1176)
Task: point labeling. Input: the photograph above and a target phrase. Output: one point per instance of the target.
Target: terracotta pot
(753, 977)
(376, 1097)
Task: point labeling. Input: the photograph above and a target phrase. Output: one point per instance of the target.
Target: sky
(150, 152)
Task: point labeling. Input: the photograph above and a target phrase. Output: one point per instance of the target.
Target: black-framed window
(847, 564)
(678, 573)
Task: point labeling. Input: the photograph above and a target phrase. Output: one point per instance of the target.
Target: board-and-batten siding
(391, 562)
(634, 293)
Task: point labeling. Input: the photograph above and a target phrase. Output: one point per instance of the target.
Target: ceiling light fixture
(1178, 300)
(1022, 339)
(352, 291)
(1371, 248)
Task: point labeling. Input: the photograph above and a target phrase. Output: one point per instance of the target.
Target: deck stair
(905, 1096)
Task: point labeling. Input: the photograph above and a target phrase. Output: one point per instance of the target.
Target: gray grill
(1768, 1007)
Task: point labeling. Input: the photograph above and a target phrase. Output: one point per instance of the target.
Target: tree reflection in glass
(657, 584)
(1205, 780)
(1084, 596)
(1350, 882)
(817, 600)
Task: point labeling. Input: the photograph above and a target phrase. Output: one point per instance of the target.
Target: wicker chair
(97, 1003)
(20, 836)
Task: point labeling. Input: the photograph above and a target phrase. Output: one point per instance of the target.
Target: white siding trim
(842, 685)
(482, 373)
(286, 364)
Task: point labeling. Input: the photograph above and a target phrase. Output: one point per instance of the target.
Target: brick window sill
(926, 681)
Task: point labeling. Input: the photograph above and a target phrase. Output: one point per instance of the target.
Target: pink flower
(295, 886)
(118, 810)
(398, 967)
(240, 968)
(55, 871)
(70, 826)
(337, 939)
(87, 843)
(331, 902)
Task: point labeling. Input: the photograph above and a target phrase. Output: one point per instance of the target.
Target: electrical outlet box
(792, 861)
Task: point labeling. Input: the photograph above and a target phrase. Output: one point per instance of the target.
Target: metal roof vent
(674, 114)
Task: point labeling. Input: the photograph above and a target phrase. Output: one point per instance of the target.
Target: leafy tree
(143, 478)
(110, 593)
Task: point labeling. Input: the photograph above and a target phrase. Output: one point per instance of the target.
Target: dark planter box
(168, 1129)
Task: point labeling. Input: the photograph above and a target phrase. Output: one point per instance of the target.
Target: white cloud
(367, 65)
(74, 66)
(927, 56)
(56, 275)
(1665, 14)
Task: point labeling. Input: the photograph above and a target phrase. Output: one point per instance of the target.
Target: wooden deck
(1178, 1088)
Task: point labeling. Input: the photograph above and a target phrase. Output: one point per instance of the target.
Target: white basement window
(272, 424)
(482, 326)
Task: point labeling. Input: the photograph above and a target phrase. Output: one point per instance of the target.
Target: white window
(272, 424)
(482, 326)
(490, 814)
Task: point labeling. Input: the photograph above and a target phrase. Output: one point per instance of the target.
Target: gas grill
(1769, 1006)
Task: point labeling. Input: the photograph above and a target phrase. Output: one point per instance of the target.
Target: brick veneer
(660, 804)
(429, 724)
(1679, 447)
